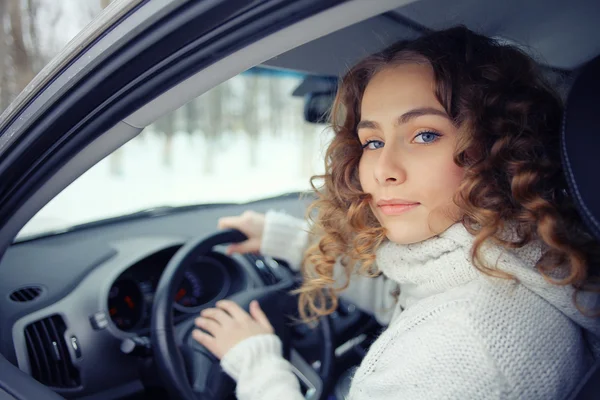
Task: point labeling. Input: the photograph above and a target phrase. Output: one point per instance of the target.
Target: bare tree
(276, 103)
(22, 60)
(309, 136)
(212, 105)
(5, 92)
(191, 117)
(166, 126)
(21, 55)
(250, 115)
(32, 8)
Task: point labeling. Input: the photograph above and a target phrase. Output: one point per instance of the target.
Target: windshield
(244, 140)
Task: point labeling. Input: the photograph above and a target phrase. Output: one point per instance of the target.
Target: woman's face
(408, 147)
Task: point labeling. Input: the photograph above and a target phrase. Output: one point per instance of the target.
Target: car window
(35, 31)
(244, 140)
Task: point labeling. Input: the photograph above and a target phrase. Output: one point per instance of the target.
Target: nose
(389, 169)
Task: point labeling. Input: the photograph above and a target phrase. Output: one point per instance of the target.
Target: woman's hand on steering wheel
(187, 368)
(223, 327)
(251, 224)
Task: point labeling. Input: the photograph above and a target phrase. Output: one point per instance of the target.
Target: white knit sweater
(454, 333)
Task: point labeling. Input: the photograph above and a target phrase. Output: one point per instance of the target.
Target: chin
(404, 232)
(408, 235)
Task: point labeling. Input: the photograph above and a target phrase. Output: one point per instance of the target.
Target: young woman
(444, 213)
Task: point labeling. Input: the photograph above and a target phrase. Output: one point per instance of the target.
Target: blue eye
(426, 137)
(373, 145)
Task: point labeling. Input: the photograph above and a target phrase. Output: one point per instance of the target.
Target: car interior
(89, 311)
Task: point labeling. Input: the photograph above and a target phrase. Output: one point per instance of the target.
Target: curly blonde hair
(508, 146)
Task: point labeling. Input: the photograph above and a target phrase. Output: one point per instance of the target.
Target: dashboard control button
(99, 320)
(137, 346)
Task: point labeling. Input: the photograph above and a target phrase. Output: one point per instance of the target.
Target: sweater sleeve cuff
(249, 353)
(285, 237)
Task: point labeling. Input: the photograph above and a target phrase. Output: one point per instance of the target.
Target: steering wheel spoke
(206, 378)
(202, 366)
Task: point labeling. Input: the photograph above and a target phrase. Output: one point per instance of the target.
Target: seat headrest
(580, 144)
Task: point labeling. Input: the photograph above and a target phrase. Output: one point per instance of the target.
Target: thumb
(258, 314)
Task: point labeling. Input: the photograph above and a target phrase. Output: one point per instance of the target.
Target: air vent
(263, 268)
(49, 357)
(26, 294)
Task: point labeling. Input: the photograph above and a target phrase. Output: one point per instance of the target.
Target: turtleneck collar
(443, 262)
(429, 267)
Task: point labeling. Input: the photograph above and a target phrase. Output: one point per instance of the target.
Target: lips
(396, 206)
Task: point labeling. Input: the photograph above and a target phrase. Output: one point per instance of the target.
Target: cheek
(444, 183)
(365, 175)
(441, 209)
(454, 176)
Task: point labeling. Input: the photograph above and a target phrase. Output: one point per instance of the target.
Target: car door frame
(120, 70)
(127, 70)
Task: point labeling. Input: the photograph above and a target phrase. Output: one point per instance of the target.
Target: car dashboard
(212, 277)
(72, 300)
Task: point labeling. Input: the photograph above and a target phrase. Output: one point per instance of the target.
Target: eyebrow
(405, 118)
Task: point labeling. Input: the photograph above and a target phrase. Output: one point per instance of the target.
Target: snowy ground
(145, 181)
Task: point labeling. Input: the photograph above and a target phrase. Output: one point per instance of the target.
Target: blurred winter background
(244, 140)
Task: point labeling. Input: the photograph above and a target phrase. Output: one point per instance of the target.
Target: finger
(233, 309)
(229, 222)
(209, 325)
(217, 314)
(259, 315)
(207, 341)
(247, 246)
(240, 248)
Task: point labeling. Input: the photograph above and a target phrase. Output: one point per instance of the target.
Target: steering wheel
(189, 370)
